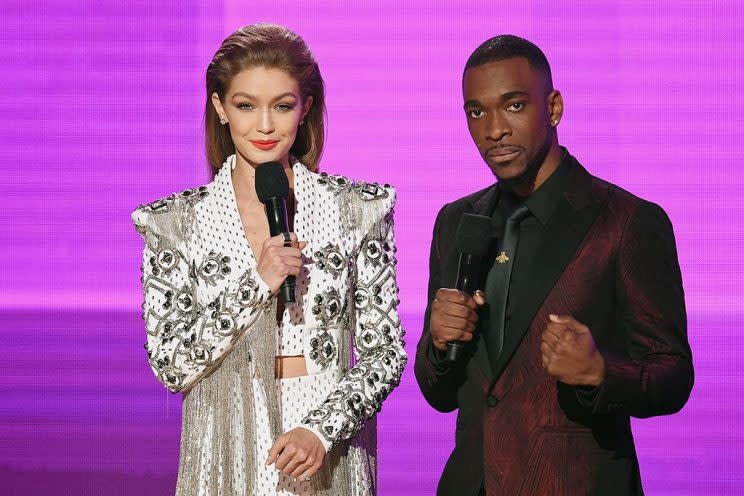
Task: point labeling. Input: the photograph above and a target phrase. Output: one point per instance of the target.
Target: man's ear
(555, 107)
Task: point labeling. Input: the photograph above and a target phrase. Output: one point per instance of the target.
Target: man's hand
(453, 316)
(569, 353)
(298, 453)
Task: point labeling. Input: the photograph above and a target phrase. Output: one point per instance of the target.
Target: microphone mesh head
(474, 234)
(271, 181)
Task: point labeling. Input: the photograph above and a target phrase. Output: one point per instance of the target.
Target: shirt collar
(544, 200)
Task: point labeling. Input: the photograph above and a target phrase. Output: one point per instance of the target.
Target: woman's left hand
(298, 453)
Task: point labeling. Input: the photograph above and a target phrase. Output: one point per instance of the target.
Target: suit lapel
(564, 232)
(484, 206)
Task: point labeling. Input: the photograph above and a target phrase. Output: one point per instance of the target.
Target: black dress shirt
(541, 203)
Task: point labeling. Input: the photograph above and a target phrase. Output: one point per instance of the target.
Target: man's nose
(498, 127)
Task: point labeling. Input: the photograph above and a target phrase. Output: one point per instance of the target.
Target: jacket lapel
(484, 206)
(565, 231)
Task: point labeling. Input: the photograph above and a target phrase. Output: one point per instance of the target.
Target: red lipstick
(264, 144)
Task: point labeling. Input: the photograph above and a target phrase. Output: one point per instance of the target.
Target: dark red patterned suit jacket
(610, 261)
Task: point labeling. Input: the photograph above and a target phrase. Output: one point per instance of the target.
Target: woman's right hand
(279, 261)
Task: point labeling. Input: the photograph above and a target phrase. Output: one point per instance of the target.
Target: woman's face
(263, 107)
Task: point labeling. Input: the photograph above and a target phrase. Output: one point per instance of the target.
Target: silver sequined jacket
(203, 293)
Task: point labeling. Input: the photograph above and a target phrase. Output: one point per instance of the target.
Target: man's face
(508, 113)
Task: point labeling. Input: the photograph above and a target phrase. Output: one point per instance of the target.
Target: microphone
(272, 187)
(473, 237)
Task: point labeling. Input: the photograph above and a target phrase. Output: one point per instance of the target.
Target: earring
(223, 121)
(302, 122)
(554, 123)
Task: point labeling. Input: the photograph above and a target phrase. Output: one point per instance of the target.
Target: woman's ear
(306, 106)
(218, 107)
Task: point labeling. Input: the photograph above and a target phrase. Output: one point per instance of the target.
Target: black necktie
(497, 282)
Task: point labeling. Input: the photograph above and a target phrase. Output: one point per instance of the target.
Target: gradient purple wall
(102, 105)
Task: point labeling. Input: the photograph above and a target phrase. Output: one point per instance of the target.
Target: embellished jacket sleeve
(187, 338)
(377, 339)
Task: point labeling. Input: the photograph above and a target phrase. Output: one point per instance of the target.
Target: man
(582, 320)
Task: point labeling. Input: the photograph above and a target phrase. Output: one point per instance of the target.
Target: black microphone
(272, 187)
(473, 238)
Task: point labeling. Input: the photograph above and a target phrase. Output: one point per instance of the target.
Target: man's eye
(476, 114)
(516, 106)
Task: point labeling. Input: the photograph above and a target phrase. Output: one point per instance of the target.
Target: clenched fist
(453, 316)
(569, 353)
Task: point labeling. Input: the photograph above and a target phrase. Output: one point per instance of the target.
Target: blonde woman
(271, 402)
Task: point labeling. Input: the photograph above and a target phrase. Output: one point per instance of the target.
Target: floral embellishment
(330, 259)
(181, 300)
(163, 262)
(225, 323)
(373, 337)
(323, 349)
(184, 301)
(214, 268)
(365, 296)
(172, 376)
(354, 401)
(201, 353)
(328, 307)
(375, 252)
(167, 260)
(248, 293)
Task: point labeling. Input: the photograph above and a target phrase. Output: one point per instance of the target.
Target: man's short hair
(507, 46)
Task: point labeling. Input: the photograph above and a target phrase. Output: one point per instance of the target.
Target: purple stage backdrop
(102, 105)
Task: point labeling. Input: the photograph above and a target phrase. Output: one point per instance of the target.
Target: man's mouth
(503, 153)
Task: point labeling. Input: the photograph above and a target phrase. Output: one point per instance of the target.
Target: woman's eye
(245, 106)
(476, 114)
(516, 106)
(284, 107)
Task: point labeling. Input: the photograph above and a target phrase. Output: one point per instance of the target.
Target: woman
(271, 404)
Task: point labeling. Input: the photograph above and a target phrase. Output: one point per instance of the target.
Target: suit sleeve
(654, 375)
(437, 380)
(185, 338)
(378, 340)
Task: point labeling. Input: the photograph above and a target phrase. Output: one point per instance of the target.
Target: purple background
(102, 105)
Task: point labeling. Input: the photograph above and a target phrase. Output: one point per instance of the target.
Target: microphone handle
(467, 275)
(276, 213)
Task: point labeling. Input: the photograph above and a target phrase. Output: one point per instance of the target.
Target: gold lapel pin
(502, 258)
